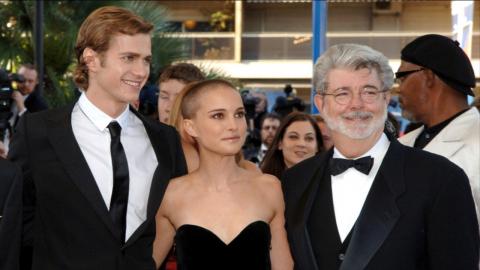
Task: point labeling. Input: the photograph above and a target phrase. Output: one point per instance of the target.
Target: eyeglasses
(345, 96)
(403, 74)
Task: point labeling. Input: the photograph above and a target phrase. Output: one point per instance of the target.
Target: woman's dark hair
(273, 162)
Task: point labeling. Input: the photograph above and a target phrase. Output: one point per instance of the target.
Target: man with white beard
(370, 202)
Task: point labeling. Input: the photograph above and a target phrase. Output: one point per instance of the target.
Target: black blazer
(35, 102)
(419, 214)
(71, 226)
(10, 215)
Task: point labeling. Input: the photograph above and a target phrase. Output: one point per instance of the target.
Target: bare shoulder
(173, 193)
(269, 185)
(176, 184)
(267, 179)
(249, 166)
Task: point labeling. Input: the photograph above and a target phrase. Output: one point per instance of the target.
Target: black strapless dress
(199, 249)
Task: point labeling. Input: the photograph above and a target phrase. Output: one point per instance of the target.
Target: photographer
(13, 104)
(288, 103)
(27, 98)
(255, 104)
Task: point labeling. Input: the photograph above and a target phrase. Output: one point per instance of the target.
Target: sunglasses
(402, 74)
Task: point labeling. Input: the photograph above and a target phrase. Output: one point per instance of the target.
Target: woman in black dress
(221, 216)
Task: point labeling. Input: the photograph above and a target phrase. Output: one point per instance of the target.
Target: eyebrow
(135, 54)
(224, 110)
(216, 110)
(350, 88)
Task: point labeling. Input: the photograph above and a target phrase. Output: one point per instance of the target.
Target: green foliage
(61, 22)
(219, 20)
(217, 73)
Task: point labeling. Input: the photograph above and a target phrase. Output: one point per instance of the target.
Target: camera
(285, 105)
(253, 141)
(6, 90)
(249, 102)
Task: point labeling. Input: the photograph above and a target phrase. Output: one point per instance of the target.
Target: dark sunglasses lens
(401, 74)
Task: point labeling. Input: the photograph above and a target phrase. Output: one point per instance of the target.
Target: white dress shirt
(261, 153)
(89, 125)
(350, 188)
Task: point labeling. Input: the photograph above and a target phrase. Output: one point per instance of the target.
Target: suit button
(341, 256)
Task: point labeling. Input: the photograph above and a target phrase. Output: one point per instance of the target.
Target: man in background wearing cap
(434, 78)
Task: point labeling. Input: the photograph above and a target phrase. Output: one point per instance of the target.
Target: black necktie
(339, 165)
(119, 200)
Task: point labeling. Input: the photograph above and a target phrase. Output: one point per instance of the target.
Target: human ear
(430, 78)
(91, 59)
(318, 100)
(189, 127)
(388, 96)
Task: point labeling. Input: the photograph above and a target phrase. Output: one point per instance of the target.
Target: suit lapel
(409, 138)
(300, 235)
(452, 138)
(160, 177)
(379, 213)
(62, 139)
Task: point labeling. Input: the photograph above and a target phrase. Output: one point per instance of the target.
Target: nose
(301, 143)
(356, 101)
(168, 106)
(232, 123)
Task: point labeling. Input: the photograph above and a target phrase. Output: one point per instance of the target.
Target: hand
(19, 100)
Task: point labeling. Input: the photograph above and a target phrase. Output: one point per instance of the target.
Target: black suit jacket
(10, 215)
(66, 219)
(35, 102)
(419, 214)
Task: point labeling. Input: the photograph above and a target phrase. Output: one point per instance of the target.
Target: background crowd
(412, 207)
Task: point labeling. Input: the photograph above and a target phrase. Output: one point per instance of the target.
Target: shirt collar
(264, 147)
(377, 151)
(100, 119)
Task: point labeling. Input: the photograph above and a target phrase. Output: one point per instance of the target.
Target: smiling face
(298, 143)
(356, 119)
(118, 75)
(218, 124)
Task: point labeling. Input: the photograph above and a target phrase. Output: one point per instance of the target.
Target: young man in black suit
(95, 172)
(370, 202)
(10, 215)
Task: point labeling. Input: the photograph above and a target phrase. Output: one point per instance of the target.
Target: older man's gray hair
(354, 57)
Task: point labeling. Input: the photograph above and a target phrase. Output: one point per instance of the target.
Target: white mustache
(357, 115)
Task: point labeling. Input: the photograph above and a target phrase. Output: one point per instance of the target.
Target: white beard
(358, 130)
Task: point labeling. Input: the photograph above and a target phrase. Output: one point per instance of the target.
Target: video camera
(285, 105)
(253, 141)
(6, 90)
(249, 102)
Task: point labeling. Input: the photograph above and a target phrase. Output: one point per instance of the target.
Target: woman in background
(221, 216)
(297, 138)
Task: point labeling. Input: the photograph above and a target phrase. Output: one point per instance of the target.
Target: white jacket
(459, 141)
